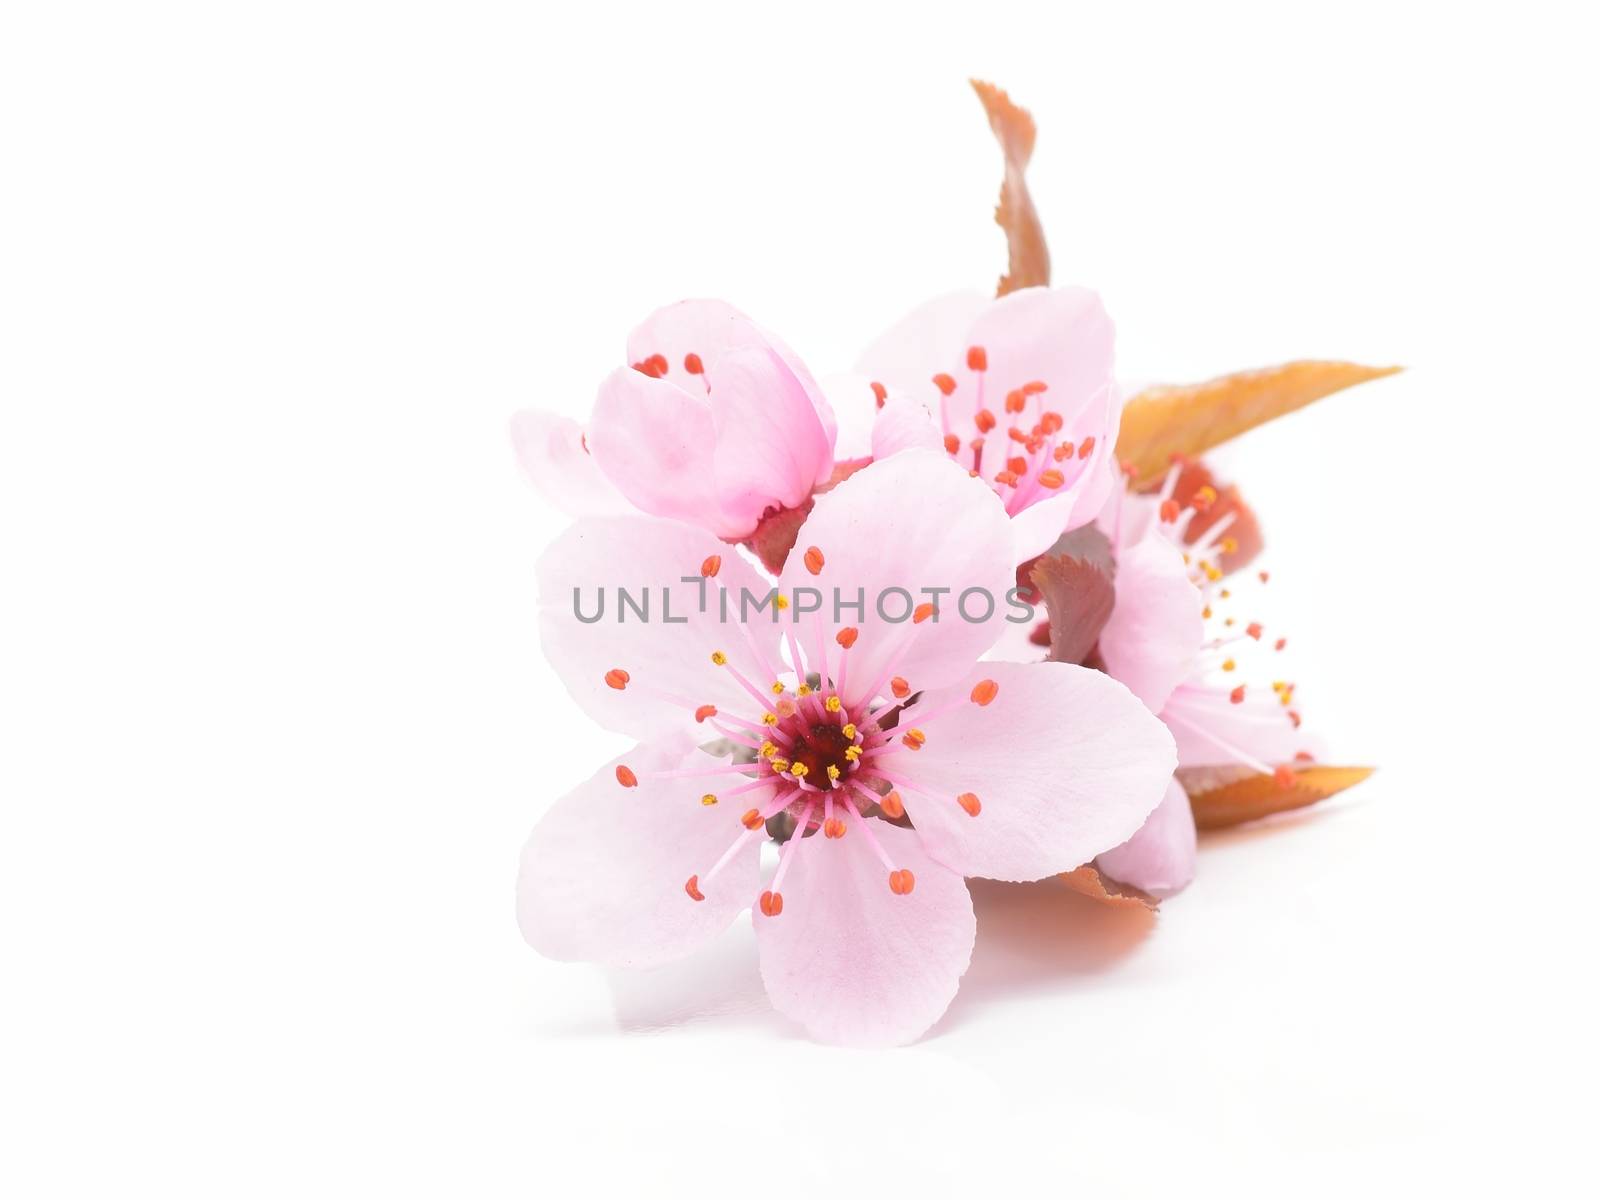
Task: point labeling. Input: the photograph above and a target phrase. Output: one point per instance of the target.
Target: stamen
(693, 365)
(708, 799)
(952, 444)
(846, 637)
(711, 565)
(771, 903)
(1051, 479)
(984, 420)
(704, 711)
(693, 888)
(617, 678)
(901, 882)
(814, 560)
(893, 807)
(626, 777)
(899, 687)
(945, 383)
(984, 691)
(879, 393)
(977, 359)
(969, 804)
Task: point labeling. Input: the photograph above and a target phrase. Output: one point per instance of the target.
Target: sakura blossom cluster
(974, 447)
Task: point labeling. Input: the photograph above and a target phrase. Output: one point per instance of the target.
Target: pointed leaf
(1078, 597)
(1191, 418)
(1089, 880)
(1015, 130)
(1224, 796)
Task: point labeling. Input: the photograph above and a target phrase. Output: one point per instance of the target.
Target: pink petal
(1065, 762)
(911, 522)
(710, 329)
(1061, 337)
(927, 341)
(641, 556)
(904, 424)
(1211, 730)
(1159, 859)
(855, 408)
(603, 874)
(854, 963)
(656, 444)
(1156, 628)
(771, 448)
(553, 456)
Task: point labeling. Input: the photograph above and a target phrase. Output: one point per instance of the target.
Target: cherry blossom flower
(870, 741)
(1023, 393)
(714, 421)
(1173, 639)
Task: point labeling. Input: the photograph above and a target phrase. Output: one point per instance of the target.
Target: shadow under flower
(1040, 936)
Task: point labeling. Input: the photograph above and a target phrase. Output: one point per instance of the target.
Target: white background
(273, 718)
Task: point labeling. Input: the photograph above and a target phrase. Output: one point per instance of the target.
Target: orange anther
(1034, 386)
(771, 903)
(1015, 402)
(952, 444)
(693, 365)
(984, 420)
(1017, 465)
(880, 393)
(617, 678)
(1063, 451)
(1051, 422)
(833, 827)
(1051, 478)
(900, 688)
(847, 636)
(1264, 576)
(945, 383)
(977, 359)
(984, 691)
(626, 777)
(751, 819)
(915, 739)
(1086, 447)
(969, 802)
(901, 882)
(1294, 718)
(693, 888)
(1016, 435)
(704, 711)
(892, 806)
(711, 565)
(922, 613)
(1284, 776)
(1280, 643)
(1254, 630)
(1170, 511)
(1237, 695)
(814, 560)
(1007, 478)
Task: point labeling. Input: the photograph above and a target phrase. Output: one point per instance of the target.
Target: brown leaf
(1088, 880)
(1224, 796)
(1078, 598)
(1014, 129)
(1189, 419)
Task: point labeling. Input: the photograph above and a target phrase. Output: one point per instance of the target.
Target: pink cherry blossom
(897, 762)
(1023, 392)
(714, 421)
(1174, 639)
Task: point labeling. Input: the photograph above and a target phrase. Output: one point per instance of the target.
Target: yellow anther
(1229, 665)
(718, 657)
(768, 750)
(708, 799)
(851, 753)
(849, 731)
(803, 690)
(1206, 612)
(833, 704)
(799, 770)
(780, 602)
(833, 771)
(769, 718)
(1211, 571)
(780, 764)
(777, 687)
(1225, 594)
